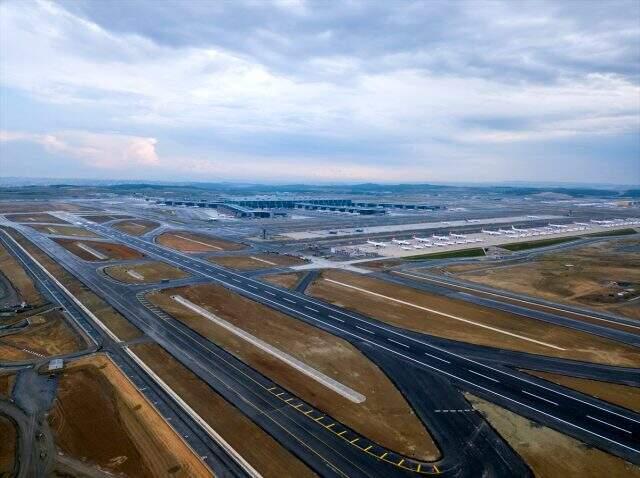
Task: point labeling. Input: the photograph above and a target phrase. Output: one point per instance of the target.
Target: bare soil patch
(64, 230)
(46, 335)
(153, 271)
(257, 261)
(384, 417)
(118, 324)
(576, 345)
(622, 395)
(111, 250)
(8, 447)
(264, 453)
(287, 280)
(136, 227)
(19, 279)
(194, 242)
(603, 276)
(101, 418)
(549, 453)
(35, 217)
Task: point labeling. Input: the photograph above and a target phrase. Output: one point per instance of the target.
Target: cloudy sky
(323, 91)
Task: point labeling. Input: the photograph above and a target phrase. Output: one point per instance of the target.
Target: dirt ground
(112, 250)
(551, 454)
(622, 395)
(8, 445)
(257, 261)
(287, 280)
(101, 418)
(63, 230)
(100, 218)
(576, 345)
(192, 242)
(46, 335)
(590, 276)
(39, 206)
(136, 227)
(6, 385)
(20, 280)
(256, 446)
(384, 417)
(35, 217)
(118, 324)
(153, 271)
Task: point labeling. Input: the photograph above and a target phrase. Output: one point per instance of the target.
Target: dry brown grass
(8, 447)
(385, 417)
(136, 227)
(35, 217)
(153, 271)
(192, 242)
(263, 452)
(622, 395)
(20, 280)
(577, 345)
(100, 417)
(112, 250)
(580, 276)
(6, 384)
(257, 261)
(39, 206)
(119, 325)
(287, 280)
(63, 230)
(100, 218)
(47, 334)
(551, 454)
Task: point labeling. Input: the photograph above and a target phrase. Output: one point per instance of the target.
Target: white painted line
(399, 343)
(336, 318)
(437, 358)
(199, 242)
(539, 397)
(270, 293)
(92, 251)
(454, 317)
(607, 423)
(480, 291)
(300, 366)
(135, 274)
(365, 330)
(263, 260)
(244, 464)
(485, 376)
(311, 308)
(252, 286)
(289, 300)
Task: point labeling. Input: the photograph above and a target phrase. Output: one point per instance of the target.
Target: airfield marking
(263, 260)
(454, 317)
(199, 242)
(539, 397)
(607, 423)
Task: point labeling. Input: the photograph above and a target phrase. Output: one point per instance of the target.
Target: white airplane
(443, 238)
(492, 233)
(558, 226)
(405, 248)
(377, 244)
(581, 224)
(398, 241)
(428, 244)
(513, 228)
(422, 239)
(458, 236)
(533, 217)
(505, 231)
(418, 246)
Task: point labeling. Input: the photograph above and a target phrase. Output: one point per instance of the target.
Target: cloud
(102, 151)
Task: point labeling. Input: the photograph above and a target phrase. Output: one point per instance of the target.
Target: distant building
(55, 365)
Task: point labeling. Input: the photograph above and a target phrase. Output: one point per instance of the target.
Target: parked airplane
(513, 228)
(558, 226)
(422, 239)
(398, 241)
(458, 236)
(581, 224)
(492, 233)
(405, 248)
(377, 244)
(443, 238)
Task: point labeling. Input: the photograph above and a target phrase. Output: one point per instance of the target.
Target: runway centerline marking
(365, 330)
(607, 423)
(444, 314)
(485, 376)
(539, 397)
(399, 343)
